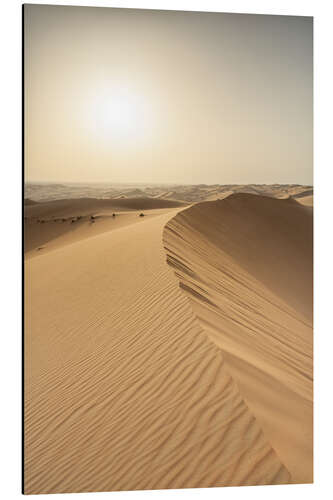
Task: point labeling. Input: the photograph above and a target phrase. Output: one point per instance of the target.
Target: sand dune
(124, 389)
(245, 264)
(305, 197)
(28, 201)
(52, 224)
(306, 200)
(89, 206)
(190, 193)
(47, 234)
(305, 193)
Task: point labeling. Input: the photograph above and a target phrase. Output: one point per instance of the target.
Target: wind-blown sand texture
(246, 264)
(127, 386)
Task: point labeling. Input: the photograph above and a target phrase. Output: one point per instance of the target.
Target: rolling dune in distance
(52, 224)
(86, 206)
(245, 263)
(306, 200)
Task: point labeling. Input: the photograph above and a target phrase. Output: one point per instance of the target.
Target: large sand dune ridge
(123, 387)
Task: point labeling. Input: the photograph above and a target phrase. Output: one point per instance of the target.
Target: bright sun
(121, 115)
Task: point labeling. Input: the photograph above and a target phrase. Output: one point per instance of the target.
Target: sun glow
(121, 115)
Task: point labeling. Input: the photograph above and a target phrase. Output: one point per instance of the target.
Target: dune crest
(245, 263)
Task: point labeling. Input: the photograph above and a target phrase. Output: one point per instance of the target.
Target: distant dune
(50, 225)
(124, 389)
(245, 263)
(28, 201)
(191, 193)
(306, 200)
(302, 194)
(87, 206)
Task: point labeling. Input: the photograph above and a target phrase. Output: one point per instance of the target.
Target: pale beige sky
(118, 95)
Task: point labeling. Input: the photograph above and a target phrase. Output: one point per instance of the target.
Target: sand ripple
(245, 263)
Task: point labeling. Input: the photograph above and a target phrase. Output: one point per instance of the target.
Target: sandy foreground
(162, 353)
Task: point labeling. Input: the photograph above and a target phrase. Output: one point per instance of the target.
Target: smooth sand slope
(123, 388)
(245, 263)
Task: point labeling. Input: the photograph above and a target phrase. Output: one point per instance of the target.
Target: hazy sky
(119, 95)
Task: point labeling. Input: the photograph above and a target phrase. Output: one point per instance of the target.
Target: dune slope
(123, 388)
(45, 235)
(52, 224)
(245, 263)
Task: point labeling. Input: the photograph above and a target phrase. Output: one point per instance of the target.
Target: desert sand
(246, 265)
(171, 350)
(52, 224)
